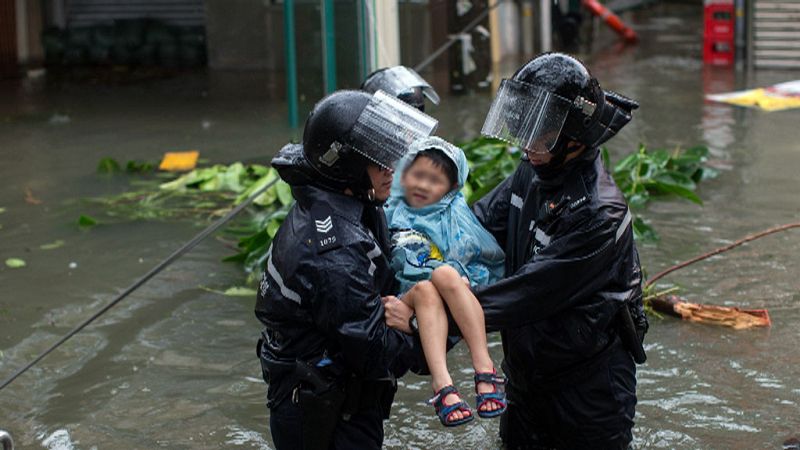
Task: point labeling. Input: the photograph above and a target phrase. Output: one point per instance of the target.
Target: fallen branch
(736, 318)
(746, 239)
(726, 316)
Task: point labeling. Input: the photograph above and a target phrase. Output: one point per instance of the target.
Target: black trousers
(362, 431)
(591, 408)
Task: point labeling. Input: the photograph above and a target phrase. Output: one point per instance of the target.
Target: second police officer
(570, 308)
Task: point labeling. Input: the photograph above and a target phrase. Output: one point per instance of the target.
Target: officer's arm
(492, 210)
(350, 311)
(569, 270)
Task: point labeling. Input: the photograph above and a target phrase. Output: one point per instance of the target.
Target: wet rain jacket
(571, 264)
(320, 295)
(458, 239)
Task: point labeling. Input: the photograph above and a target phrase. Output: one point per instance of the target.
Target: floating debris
(52, 245)
(15, 263)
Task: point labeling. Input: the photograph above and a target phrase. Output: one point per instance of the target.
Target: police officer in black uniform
(570, 308)
(326, 352)
(402, 82)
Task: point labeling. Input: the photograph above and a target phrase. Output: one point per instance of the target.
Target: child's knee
(446, 277)
(423, 289)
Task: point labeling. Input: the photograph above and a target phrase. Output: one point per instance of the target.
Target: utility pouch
(320, 414)
(630, 336)
(320, 401)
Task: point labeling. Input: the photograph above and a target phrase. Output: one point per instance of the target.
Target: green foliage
(86, 221)
(111, 166)
(15, 263)
(645, 175)
(108, 165)
(210, 191)
(53, 245)
(490, 162)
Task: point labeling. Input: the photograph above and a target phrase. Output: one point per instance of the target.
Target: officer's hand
(397, 313)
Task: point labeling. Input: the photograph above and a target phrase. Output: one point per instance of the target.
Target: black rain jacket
(571, 263)
(320, 294)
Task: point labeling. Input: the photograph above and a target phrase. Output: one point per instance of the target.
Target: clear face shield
(387, 127)
(526, 116)
(400, 80)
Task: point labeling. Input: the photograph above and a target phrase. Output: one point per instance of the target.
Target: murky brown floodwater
(173, 366)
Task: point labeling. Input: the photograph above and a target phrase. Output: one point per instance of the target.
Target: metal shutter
(176, 12)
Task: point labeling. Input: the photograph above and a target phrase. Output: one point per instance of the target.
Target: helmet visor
(386, 128)
(400, 80)
(526, 116)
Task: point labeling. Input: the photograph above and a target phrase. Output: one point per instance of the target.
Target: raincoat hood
(454, 153)
(456, 237)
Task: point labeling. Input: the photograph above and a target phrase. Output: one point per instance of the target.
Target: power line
(153, 272)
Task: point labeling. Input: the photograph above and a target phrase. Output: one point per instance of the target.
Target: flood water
(173, 366)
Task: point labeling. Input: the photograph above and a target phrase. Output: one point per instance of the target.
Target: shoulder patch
(325, 237)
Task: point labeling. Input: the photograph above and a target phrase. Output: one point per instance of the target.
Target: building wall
(237, 36)
(8, 38)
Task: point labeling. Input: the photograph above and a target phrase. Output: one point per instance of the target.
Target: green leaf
(626, 163)
(680, 191)
(284, 192)
(2, 210)
(108, 165)
(272, 228)
(660, 158)
(643, 231)
(236, 291)
(86, 221)
(15, 263)
(677, 179)
(266, 198)
(139, 167)
(52, 245)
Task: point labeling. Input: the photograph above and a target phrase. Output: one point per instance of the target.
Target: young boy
(439, 249)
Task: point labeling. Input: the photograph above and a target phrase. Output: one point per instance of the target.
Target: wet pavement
(173, 366)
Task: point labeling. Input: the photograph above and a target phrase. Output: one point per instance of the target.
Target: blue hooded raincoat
(446, 232)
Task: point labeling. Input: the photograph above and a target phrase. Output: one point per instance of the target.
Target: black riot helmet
(344, 133)
(403, 83)
(553, 99)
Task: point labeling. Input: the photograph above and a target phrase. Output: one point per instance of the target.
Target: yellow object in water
(179, 161)
(774, 98)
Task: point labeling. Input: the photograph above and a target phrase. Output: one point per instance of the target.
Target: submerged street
(174, 366)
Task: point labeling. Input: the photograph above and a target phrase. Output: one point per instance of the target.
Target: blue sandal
(498, 397)
(443, 411)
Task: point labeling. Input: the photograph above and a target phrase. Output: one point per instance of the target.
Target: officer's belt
(361, 394)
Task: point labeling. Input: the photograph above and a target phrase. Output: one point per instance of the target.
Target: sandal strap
(443, 411)
(438, 396)
(489, 377)
(498, 397)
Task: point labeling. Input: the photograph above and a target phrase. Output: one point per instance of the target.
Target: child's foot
(450, 409)
(490, 401)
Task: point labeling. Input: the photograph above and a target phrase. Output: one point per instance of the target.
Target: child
(436, 237)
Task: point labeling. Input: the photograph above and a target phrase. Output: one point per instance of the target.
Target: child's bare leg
(468, 314)
(432, 321)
